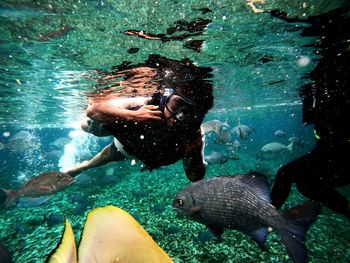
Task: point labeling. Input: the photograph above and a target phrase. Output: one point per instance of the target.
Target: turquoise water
(49, 53)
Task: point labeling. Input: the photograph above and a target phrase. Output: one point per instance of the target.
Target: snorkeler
(326, 104)
(154, 111)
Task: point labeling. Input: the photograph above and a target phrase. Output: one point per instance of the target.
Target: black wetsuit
(316, 175)
(155, 144)
(326, 104)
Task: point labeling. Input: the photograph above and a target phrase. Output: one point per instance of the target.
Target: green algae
(326, 240)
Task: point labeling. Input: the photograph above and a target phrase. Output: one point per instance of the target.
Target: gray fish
(273, 150)
(280, 133)
(236, 145)
(21, 141)
(220, 158)
(242, 131)
(222, 129)
(23, 135)
(216, 158)
(242, 202)
(277, 148)
(43, 184)
(18, 145)
(233, 148)
(296, 141)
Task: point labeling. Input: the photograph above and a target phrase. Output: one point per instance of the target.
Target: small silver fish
(296, 141)
(18, 145)
(280, 133)
(242, 202)
(216, 158)
(222, 129)
(220, 158)
(43, 184)
(242, 131)
(277, 148)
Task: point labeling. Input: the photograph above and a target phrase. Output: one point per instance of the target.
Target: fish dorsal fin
(259, 236)
(66, 252)
(240, 132)
(239, 121)
(258, 182)
(111, 234)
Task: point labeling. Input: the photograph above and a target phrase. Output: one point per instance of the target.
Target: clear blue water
(45, 75)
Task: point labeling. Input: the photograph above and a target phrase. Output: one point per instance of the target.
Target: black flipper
(294, 232)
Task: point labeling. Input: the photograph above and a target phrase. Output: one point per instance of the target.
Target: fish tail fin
(10, 197)
(66, 251)
(290, 147)
(299, 219)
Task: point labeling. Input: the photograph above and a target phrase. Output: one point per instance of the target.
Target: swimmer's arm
(193, 161)
(111, 111)
(129, 103)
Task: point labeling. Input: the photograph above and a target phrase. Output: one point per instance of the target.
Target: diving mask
(183, 109)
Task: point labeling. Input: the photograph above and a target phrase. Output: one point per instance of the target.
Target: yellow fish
(110, 235)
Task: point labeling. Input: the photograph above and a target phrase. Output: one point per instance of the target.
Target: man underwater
(326, 103)
(154, 111)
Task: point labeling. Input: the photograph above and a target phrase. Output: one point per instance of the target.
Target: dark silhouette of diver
(326, 103)
(316, 175)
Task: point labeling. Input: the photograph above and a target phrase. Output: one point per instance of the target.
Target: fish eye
(60, 176)
(180, 202)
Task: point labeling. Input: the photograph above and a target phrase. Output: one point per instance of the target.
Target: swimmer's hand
(147, 113)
